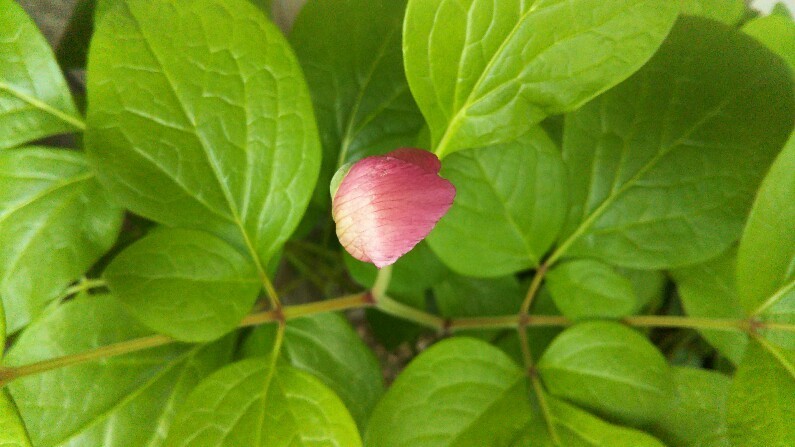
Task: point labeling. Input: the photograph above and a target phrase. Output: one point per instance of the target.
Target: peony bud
(387, 204)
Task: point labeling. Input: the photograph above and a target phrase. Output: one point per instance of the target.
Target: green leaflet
(122, 401)
(55, 222)
(248, 404)
(35, 101)
(351, 55)
(761, 404)
(12, 431)
(486, 72)
(766, 259)
(777, 32)
(187, 284)
(479, 399)
(578, 428)
(326, 346)
(697, 416)
(509, 206)
(727, 11)
(664, 167)
(586, 288)
(608, 368)
(236, 152)
(709, 290)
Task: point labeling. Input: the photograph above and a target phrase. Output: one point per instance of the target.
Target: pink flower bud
(387, 204)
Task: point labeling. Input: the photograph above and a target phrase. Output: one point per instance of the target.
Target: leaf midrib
(65, 117)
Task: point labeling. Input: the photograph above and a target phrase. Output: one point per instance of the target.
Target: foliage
(617, 268)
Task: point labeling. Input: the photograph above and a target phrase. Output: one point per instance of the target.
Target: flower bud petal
(387, 204)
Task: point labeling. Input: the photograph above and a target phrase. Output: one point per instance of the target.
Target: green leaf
(663, 168)
(55, 222)
(729, 12)
(351, 54)
(761, 404)
(416, 271)
(777, 32)
(697, 416)
(486, 72)
(578, 428)
(117, 402)
(508, 210)
(236, 152)
(461, 392)
(327, 347)
(709, 290)
(12, 431)
(35, 101)
(249, 404)
(2, 330)
(587, 288)
(766, 259)
(187, 284)
(608, 368)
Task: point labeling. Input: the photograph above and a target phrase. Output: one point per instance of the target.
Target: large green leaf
(193, 125)
(326, 346)
(727, 11)
(697, 416)
(709, 290)
(34, 99)
(578, 428)
(250, 404)
(184, 283)
(766, 259)
(664, 167)
(509, 206)
(351, 53)
(55, 222)
(609, 368)
(461, 392)
(761, 404)
(777, 32)
(587, 288)
(12, 431)
(485, 72)
(121, 401)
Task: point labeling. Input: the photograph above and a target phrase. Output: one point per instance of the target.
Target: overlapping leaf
(326, 346)
(509, 206)
(610, 369)
(184, 283)
(35, 101)
(664, 167)
(193, 125)
(351, 53)
(587, 288)
(119, 402)
(461, 392)
(485, 72)
(55, 222)
(251, 404)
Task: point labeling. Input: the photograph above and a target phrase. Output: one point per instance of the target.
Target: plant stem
(688, 322)
(82, 286)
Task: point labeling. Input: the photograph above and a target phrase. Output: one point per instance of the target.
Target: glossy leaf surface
(587, 289)
(508, 210)
(121, 401)
(485, 72)
(236, 152)
(35, 101)
(664, 167)
(55, 222)
(248, 404)
(187, 284)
